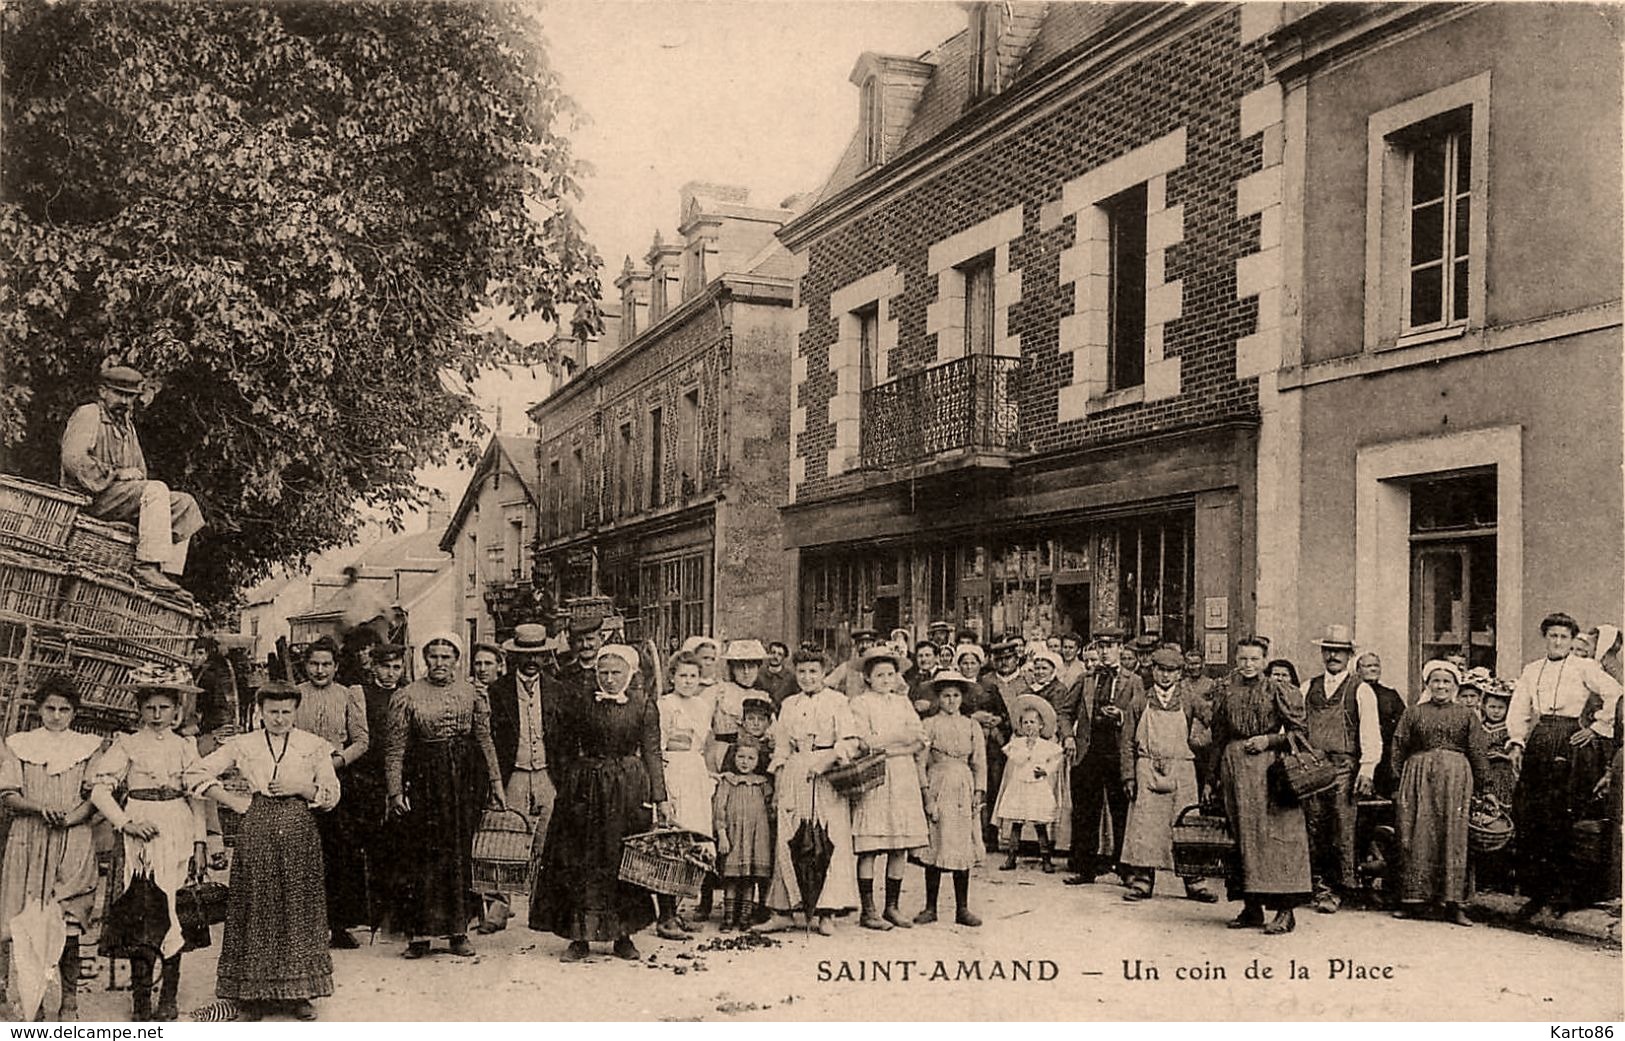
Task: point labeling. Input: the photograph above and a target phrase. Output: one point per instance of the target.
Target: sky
(752, 93)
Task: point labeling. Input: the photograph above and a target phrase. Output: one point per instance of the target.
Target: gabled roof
(1035, 36)
(519, 455)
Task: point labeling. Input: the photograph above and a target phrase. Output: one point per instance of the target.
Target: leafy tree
(298, 217)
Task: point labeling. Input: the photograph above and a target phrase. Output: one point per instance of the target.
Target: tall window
(1440, 221)
(578, 467)
(978, 304)
(515, 550)
(874, 122)
(657, 457)
(625, 490)
(555, 499)
(1126, 317)
(984, 37)
(869, 344)
(1453, 574)
(689, 432)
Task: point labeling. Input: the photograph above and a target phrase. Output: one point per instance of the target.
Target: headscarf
(625, 654)
(444, 636)
(694, 643)
(1436, 665)
(973, 650)
(1043, 653)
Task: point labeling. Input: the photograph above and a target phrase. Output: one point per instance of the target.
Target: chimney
(665, 278)
(634, 316)
(721, 231)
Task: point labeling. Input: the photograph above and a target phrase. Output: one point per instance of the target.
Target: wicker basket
(660, 872)
(36, 517)
(1203, 845)
(502, 852)
(30, 586)
(101, 677)
(1489, 828)
(117, 614)
(102, 543)
(859, 776)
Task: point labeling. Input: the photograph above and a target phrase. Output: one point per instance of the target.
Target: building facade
(662, 461)
(1024, 299)
(1442, 367)
(491, 537)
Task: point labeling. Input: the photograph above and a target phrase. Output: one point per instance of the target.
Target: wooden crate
(112, 611)
(30, 585)
(104, 544)
(36, 517)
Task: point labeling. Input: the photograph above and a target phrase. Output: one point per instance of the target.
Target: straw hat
(1046, 712)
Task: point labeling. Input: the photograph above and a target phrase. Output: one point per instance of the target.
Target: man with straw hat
(101, 457)
(1345, 723)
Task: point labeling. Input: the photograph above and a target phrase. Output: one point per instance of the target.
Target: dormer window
(874, 122)
(984, 50)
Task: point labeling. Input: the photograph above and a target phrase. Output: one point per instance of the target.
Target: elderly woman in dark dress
(1441, 754)
(439, 765)
(603, 750)
(1254, 716)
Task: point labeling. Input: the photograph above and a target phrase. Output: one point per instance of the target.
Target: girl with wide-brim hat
(955, 789)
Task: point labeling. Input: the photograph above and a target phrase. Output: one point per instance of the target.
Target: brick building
(1443, 362)
(662, 460)
(1024, 300)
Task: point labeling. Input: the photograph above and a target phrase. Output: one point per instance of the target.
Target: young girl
(955, 787)
(49, 854)
(743, 661)
(889, 819)
(163, 829)
(744, 832)
(1027, 796)
(685, 726)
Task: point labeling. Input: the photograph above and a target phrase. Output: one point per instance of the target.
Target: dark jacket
(504, 698)
(1088, 714)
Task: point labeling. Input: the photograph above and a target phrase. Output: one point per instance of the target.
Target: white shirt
(1365, 701)
(1560, 688)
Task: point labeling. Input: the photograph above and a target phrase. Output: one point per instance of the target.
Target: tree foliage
(295, 216)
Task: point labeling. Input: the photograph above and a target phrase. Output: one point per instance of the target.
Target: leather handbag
(1302, 771)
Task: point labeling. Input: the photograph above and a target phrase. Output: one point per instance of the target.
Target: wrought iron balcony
(969, 405)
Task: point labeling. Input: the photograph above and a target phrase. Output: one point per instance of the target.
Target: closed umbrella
(37, 935)
(810, 852)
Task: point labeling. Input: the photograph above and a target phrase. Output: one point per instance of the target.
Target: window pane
(1427, 233)
(1427, 177)
(1464, 161)
(1427, 289)
(1127, 213)
(979, 307)
(1459, 292)
(1464, 215)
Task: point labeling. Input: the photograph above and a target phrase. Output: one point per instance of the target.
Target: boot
(730, 912)
(702, 912)
(167, 1012)
(1046, 849)
(866, 897)
(68, 968)
(894, 895)
(964, 916)
(933, 883)
(141, 989)
(1284, 922)
(1009, 858)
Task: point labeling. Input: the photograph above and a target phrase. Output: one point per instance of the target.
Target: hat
(387, 652)
(529, 638)
(587, 623)
(1145, 642)
(745, 650)
(756, 701)
(971, 649)
(446, 636)
(882, 651)
(694, 643)
(1337, 638)
(618, 650)
(1046, 712)
(864, 634)
(1436, 665)
(947, 676)
(1110, 634)
(1167, 658)
(154, 677)
(1045, 654)
(939, 625)
(1559, 618)
(122, 377)
(1004, 645)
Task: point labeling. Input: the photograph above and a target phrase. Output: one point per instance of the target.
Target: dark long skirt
(1543, 809)
(445, 783)
(1272, 839)
(1431, 820)
(578, 894)
(275, 943)
(342, 852)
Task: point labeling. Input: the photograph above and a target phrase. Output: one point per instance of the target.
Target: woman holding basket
(604, 753)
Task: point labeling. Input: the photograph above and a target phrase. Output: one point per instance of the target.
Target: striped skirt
(275, 945)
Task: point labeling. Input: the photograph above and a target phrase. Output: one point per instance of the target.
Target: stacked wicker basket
(68, 603)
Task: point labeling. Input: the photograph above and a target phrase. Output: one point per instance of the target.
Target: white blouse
(307, 759)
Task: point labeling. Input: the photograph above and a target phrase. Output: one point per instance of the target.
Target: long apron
(799, 799)
(1162, 738)
(690, 786)
(168, 854)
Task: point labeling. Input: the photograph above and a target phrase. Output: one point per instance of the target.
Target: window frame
(1454, 131)
(981, 312)
(1126, 209)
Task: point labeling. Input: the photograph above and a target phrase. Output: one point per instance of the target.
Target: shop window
(1453, 569)
(1155, 576)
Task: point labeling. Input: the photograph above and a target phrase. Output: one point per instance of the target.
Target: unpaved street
(1435, 971)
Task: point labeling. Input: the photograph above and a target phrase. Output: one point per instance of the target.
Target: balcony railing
(969, 404)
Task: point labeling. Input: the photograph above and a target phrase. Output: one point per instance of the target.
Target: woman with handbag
(163, 827)
(1254, 718)
(1441, 752)
(44, 774)
(274, 952)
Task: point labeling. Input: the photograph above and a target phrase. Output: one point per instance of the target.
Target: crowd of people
(358, 805)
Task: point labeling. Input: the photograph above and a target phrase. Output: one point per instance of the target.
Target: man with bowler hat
(102, 458)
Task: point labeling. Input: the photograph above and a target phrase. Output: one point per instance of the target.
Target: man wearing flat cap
(577, 672)
(101, 457)
(1345, 723)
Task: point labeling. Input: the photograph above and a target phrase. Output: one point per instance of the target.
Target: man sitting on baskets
(101, 457)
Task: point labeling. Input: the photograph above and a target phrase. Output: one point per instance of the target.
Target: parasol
(37, 935)
(810, 851)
